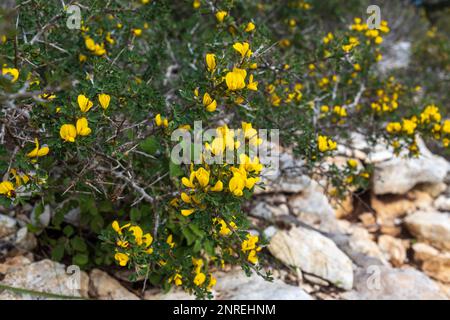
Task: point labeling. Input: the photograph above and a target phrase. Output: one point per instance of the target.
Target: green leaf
(68, 230)
(196, 230)
(97, 224)
(80, 259)
(175, 170)
(78, 244)
(58, 252)
(149, 145)
(189, 235)
(135, 215)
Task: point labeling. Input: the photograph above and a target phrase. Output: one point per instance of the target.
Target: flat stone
(313, 253)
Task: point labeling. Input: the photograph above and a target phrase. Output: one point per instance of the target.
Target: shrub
(88, 116)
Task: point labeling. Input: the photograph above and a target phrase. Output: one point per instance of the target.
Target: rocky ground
(392, 242)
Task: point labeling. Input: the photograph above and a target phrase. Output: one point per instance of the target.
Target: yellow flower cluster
(364, 34)
(128, 237)
(386, 102)
(94, 48)
(235, 80)
(250, 246)
(200, 277)
(222, 178)
(11, 73)
(280, 92)
(325, 144)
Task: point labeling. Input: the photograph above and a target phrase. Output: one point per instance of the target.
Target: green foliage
(107, 173)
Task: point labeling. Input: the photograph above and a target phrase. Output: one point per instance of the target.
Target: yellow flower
(235, 80)
(189, 183)
(177, 279)
(185, 197)
(122, 258)
(250, 243)
(217, 187)
(38, 152)
(325, 144)
(209, 103)
(169, 241)
(211, 61)
(109, 39)
(161, 121)
(136, 32)
(252, 85)
(221, 15)
(82, 127)
(12, 72)
(198, 264)
(84, 103)
(236, 185)
(446, 127)
(352, 163)
(409, 126)
(20, 178)
(137, 233)
(243, 48)
(47, 96)
(394, 127)
(82, 58)
(202, 177)
(199, 279)
(187, 212)
(122, 243)
(250, 27)
(68, 132)
(104, 100)
(378, 40)
(252, 257)
(7, 188)
(212, 282)
(196, 4)
(147, 239)
(117, 228)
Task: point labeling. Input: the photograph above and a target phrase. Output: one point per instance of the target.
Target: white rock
(394, 249)
(399, 175)
(105, 287)
(385, 283)
(174, 294)
(25, 240)
(48, 277)
(13, 263)
(434, 263)
(235, 285)
(7, 226)
(268, 212)
(398, 56)
(442, 203)
(313, 253)
(430, 227)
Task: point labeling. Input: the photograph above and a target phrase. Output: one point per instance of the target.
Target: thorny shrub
(87, 117)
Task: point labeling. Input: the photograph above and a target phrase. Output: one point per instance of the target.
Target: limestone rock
(394, 249)
(431, 227)
(434, 263)
(48, 277)
(105, 287)
(385, 283)
(235, 285)
(7, 226)
(313, 253)
(442, 203)
(399, 175)
(311, 205)
(13, 263)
